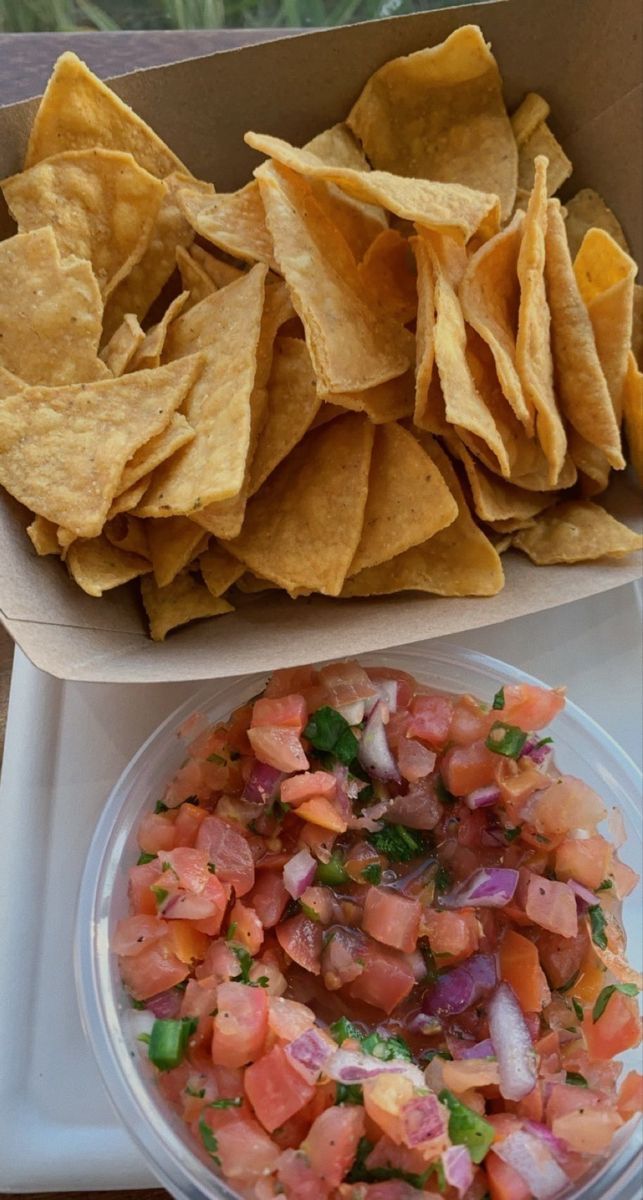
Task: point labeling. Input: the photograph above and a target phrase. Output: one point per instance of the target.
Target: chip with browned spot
(576, 531)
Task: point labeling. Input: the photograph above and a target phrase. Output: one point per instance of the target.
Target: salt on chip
(533, 350)
(157, 450)
(221, 273)
(78, 111)
(439, 114)
(576, 531)
(390, 401)
(43, 536)
(183, 600)
(233, 221)
(580, 382)
(408, 500)
(388, 270)
(50, 313)
(119, 351)
(194, 279)
(587, 210)
(97, 565)
(173, 543)
(447, 207)
(293, 402)
(212, 466)
(496, 499)
(633, 414)
(128, 533)
(303, 526)
(458, 561)
(100, 204)
(219, 569)
(352, 344)
(605, 276)
(149, 354)
(45, 434)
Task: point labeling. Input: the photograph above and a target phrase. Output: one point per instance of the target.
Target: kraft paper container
(584, 56)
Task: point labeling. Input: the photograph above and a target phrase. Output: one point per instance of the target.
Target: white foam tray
(66, 745)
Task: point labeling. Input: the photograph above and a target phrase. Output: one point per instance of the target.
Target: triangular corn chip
(388, 270)
(123, 344)
(128, 499)
(359, 223)
(576, 531)
(43, 536)
(428, 411)
(587, 210)
(293, 402)
(496, 499)
(97, 565)
(173, 543)
(439, 114)
(128, 533)
(150, 352)
(233, 221)
(157, 450)
(531, 113)
(633, 415)
(219, 569)
(221, 273)
(605, 276)
(194, 279)
(62, 450)
(181, 601)
(390, 401)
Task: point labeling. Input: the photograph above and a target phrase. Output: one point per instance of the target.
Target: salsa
(377, 936)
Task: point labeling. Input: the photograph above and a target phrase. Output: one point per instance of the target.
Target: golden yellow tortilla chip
(496, 499)
(43, 536)
(576, 531)
(219, 569)
(155, 451)
(388, 271)
(633, 415)
(531, 113)
(78, 112)
(250, 584)
(541, 142)
(10, 383)
(428, 409)
(181, 601)
(119, 351)
(390, 401)
(293, 402)
(303, 526)
(221, 273)
(490, 298)
(327, 413)
(352, 344)
(50, 313)
(605, 276)
(62, 450)
(637, 324)
(457, 561)
(533, 350)
(439, 114)
(97, 565)
(339, 147)
(507, 526)
(587, 210)
(128, 499)
(149, 354)
(234, 221)
(359, 223)
(173, 543)
(100, 204)
(447, 207)
(128, 533)
(580, 383)
(212, 466)
(408, 500)
(194, 279)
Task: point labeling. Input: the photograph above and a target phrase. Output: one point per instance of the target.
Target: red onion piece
(555, 1144)
(353, 712)
(582, 894)
(353, 1066)
(483, 1049)
(423, 1118)
(186, 906)
(299, 873)
(374, 752)
(537, 754)
(483, 797)
(167, 1005)
(458, 1168)
(491, 887)
(533, 1162)
(263, 783)
(309, 1052)
(458, 989)
(514, 1050)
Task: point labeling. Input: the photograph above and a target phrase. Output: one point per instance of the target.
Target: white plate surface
(66, 745)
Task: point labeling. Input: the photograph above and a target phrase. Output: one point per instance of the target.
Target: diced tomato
(301, 938)
(419, 808)
(588, 1132)
(387, 978)
(287, 712)
(563, 1098)
(504, 1182)
(520, 967)
(237, 729)
(466, 768)
(141, 879)
(346, 683)
(230, 853)
(248, 929)
(280, 748)
(430, 720)
(319, 811)
(630, 1096)
(187, 943)
(318, 902)
(269, 898)
(547, 903)
(529, 706)
(319, 841)
(275, 1089)
(240, 1024)
(156, 832)
(625, 879)
(220, 962)
(199, 998)
(618, 1029)
(452, 935)
(195, 780)
(152, 971)
(188, 866)
(567, 804)
(385, 1096)
(331, 1142)
(288, 1018)
(587, 860)
(187, 823)
(414, 760)
(517, 782)
(548, 1050)
(312, 783)
(297, 1180)
(406, 684)
(470, 722)
(562, 957)
(133, 934)
(465, 1073)
(288, 680)
(218, 894)
(391, 918)
(244, 1149)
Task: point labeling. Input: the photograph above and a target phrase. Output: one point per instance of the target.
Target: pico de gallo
(377, 938)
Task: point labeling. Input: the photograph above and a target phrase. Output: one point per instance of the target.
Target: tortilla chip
(327, 412)
(408, 500)
(149, 354)
(580, 382)
(633, 415)
(637, 324)
(353, 346)
(235, 222)
(304, 525)
(538, 480)
(128, 533)
(533, 351)
(97, 565)
(78, 112)
(45, 433)
(50, 313)
(576, 531)
(541, 142)
(339, 147)
(390, 401)
(194, 279)
(447, 207)
(128, 499)
(43, 536)
(531, 113)
(359, 223)
(605, 276)
(219, 570)
(439, 114)
(388, 271)
(181, 601)
(250, 584)
(211, 467)
(457, 561)
(100, 204)
(587, 210)
(490, 299)
(221, 273)
(593, 467)
(292, 404)
(426, 413)
(10, 384)
(173, 543)
(157, 450)
(119, 351)
(509, 525)
(495, 499)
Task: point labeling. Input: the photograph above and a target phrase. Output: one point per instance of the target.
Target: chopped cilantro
(342, 1029)
(160, 807)
(329, 731)
(466, 1128)
(160, 894)
(138, 1004)
(198, 1093)
(512, 833)
(209, 1141)
(576, 1079)
(578, 1008)
(232, 929)
(360, 1173)
(246, 962)
(333, 872)
(427, 1056)
(308, 911)
(442, 880)
(349, 1093)
(569, 984)
(597, 923)
(499, 699)
(546, 741)
(216, 758)
(397, 842)
(144, 858)
(506, 739)
(605, 885)
(626, 989)
(372, 873)
(227, 1102)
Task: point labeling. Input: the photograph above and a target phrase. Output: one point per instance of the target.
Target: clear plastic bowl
(582, 748)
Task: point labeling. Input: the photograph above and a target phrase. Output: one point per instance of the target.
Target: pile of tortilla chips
(390, 357)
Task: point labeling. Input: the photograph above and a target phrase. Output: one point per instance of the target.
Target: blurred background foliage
(63, 16)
